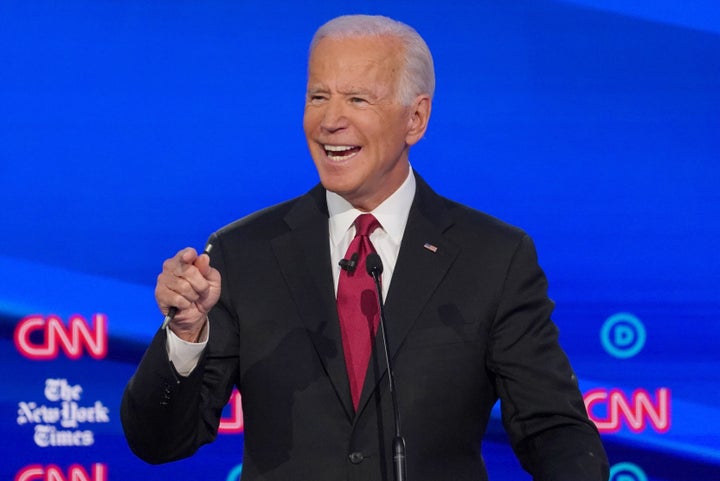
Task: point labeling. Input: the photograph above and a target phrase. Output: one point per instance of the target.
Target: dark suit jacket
(466, 324)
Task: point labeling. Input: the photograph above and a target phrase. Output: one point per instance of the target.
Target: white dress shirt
(392, 215)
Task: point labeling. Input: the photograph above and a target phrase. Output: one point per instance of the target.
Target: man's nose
(334, 116)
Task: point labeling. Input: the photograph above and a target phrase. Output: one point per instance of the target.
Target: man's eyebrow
(357, 91)
(311, 89)
(346, 92)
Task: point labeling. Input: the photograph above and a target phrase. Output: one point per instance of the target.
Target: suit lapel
(304, 258)
(424, 258)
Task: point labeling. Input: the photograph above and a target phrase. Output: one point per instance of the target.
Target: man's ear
(419, 118)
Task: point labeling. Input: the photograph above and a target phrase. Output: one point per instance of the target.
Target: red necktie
(357, 305)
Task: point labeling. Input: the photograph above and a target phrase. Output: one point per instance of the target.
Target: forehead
(355, 59)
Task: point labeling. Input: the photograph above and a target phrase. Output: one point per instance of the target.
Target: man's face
(357, 131)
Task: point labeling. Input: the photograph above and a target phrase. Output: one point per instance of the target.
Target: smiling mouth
(341, 152)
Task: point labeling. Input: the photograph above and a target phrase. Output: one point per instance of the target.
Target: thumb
(187, 256)
(202, 263)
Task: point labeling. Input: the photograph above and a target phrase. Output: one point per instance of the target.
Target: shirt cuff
(186, 355)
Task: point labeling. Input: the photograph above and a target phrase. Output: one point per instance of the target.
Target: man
(467, 310)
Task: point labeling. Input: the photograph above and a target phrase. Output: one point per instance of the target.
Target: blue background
(131, 129)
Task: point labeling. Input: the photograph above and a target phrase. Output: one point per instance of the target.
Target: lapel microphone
(374, 267)
(349, 265)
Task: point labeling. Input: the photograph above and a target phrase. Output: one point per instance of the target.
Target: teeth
(338, 148)
(341, 152)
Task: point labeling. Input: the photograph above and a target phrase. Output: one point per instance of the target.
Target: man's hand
(188, 283)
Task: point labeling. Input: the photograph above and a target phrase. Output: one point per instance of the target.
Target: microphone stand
(375, 268)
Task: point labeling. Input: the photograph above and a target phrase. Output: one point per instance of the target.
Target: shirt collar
(392, 213)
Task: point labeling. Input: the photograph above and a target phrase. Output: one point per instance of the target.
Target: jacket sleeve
(166, 416)
(542, 408)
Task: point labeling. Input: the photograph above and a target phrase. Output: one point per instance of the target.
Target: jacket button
(356, 457)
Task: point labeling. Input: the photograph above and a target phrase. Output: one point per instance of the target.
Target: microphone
(349, 265)
(374, 268)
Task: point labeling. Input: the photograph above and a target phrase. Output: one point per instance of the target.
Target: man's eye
(316, 98)
(357, 100)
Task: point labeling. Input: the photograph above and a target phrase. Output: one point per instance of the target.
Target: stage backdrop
(131, 129)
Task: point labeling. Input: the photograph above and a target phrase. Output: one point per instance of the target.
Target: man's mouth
(341, 152)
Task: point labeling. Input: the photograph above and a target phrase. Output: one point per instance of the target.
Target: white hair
(418, 74)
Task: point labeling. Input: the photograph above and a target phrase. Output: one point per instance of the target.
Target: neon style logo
(637, 411)
(623, 335)
(51, 472)
(74, 339)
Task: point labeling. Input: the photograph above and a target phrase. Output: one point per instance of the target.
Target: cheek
(310, 121)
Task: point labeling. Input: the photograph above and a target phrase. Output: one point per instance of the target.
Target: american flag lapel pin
(430, 247)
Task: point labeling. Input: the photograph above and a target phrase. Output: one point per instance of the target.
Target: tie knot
(365, 224)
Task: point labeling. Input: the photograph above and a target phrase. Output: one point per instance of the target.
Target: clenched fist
(188, 283)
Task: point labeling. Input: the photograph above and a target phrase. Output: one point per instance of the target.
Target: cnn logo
(36, 472)
(42, 338)
(638, 410)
